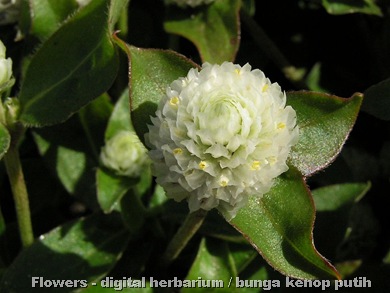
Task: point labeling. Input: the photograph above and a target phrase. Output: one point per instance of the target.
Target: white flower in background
(5, 66)
(221, 134)
(9, 11)
(125, 154)
(191, 3)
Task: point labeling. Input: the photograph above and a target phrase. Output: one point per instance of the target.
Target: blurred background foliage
(336, 47)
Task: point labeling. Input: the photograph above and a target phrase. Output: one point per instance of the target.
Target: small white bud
(125, 154)
(5, 67)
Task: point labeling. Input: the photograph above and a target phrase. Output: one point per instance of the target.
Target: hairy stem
(19, 191)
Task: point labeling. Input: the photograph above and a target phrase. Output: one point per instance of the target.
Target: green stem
(264, 42)
(19, 190)
(188, 229)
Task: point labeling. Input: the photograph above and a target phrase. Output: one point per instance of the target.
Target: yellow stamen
(265, 87)
(255, 165)
(178, 151)
(272, 160)
(224, 181)
(174, 101)
(281, 125)
(238, 71)
(203, 165)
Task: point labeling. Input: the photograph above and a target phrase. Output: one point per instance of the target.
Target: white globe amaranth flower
(186, 3)
(125, 154)
(220, 135)
(5, 66)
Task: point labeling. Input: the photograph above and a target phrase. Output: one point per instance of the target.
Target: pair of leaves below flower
(285, 216)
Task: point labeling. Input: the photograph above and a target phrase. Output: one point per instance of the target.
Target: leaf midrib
(43, 93)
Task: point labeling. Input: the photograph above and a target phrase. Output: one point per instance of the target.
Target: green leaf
(334, 204)
(211, 264)
(215, 226)
(352, 6)
(74, 66)
(279, 226)
(120, 117)
(334, 197)
(117, 7)
(85, 249)
(111, 188)
(71, 149)
(5, 140)
(214, 29)
(133, 212)
(377, 100)
(325, 122)
(47, 16)
(151, 72)
(93, 120)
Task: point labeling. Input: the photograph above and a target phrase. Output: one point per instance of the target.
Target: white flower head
(221, 134)
(191, 3)
(125, 154)
(5, 66)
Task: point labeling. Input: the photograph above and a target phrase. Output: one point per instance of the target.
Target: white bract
(125, 154)
(220, 135)
(191, 3)
(5, 66)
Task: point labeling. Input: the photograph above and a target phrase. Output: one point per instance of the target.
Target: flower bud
(5, 68)
(125, 154)
(220, 135)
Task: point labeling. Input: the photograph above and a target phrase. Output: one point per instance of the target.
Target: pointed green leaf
(73, 67)
(325, 122)
(93, 120)
(46, 15)
(85, 249)
(71, 149)
(352, 6)
(334, 197)
(280, 224)
(111, 188)
(120, 117)
(377, 100)
(211, 263)
(117, 7)
(151, 72)
(214, 29)
(5, 140)
(333, 204)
